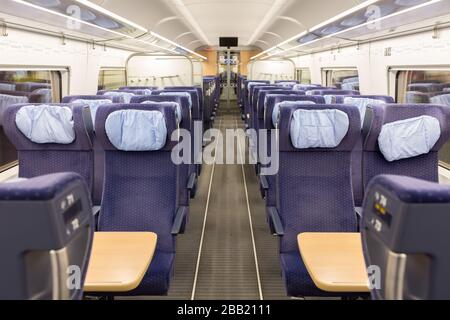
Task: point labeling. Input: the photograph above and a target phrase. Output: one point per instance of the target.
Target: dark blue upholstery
(258, 112)
(30, 193)
(134, 92)
(255, 100)
(199, 93)
(210, 101)
(248, 92)
(387, 99)
(196, 115)
(358, 188)
(321, 92)
(186, 124)
(412, 190)
(41, 188)
(314, 194)
(272, 100)
(282, 81)
(40, 159)
(70, 99)
(133, 88)
(423, 167)
(140, 195)
(99, 154)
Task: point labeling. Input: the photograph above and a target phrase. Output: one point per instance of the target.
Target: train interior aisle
(271, 151)
(228, 252)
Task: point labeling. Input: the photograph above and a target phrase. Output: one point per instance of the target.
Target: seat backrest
(263, 94)
(132, 88)
(387, 99)
(141, 187)
(423, 166)
(25, 123)
(183, 102)
(94, 101)
(44, 215)
(199, 92)
(248, 84)
(314, 188)
(273, 99)
(330, 95)
(124, 95)
(251, 89)
(197, 114)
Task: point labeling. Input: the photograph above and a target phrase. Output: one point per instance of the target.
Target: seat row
(131, 174)
(328, 155)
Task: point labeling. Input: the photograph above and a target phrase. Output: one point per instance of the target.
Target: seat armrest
(96, 210)
(264, 182)
(274, 216)
(179, 220)
(191, 182)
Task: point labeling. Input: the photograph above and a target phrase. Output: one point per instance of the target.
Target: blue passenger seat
(404, 139)
(314, 190)
(141, 182)
(52, 138)
(362, 102)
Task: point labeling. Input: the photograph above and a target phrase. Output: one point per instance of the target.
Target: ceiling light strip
(71, 18)
(322, 24)
(111, 14)
(177, 45)
(362, 25)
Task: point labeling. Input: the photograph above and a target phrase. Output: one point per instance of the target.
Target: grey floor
(227, 265)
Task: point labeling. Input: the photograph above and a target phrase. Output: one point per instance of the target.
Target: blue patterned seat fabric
(423, 167)
(41, 159)
(141, 194)
(314, 194)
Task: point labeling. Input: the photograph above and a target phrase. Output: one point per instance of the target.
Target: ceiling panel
(236, 18)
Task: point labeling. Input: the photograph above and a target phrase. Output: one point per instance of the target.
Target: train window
(24, 86)
(303, 75)
(425, 86)
(346, 79)
(112, 78)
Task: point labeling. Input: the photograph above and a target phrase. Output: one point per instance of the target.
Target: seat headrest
(320, 128)
(306, 87)
(143, 123)
(136, 130)
(178, 94)
(126, 96)
(443, 99)
(273, 99)
(321, 92)
(283, 104)
(409, 138)
(93, 105)
(179, 112)
(312, 129)
(379, 115)
(362, 104)
(46, 124)
(287, 84)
